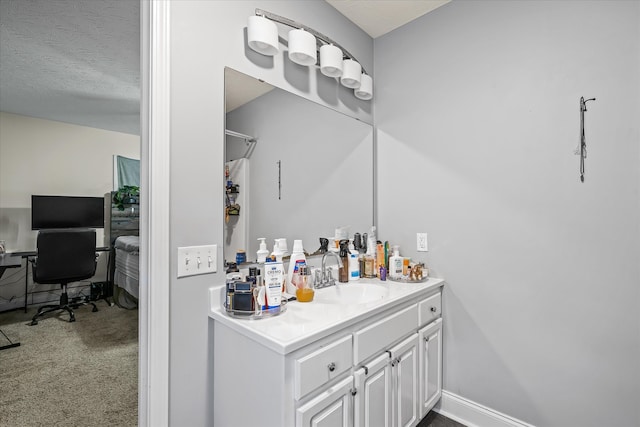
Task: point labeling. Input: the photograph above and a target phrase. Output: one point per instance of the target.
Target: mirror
(301, 169)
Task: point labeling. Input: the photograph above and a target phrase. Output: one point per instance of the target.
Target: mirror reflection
(296, 169)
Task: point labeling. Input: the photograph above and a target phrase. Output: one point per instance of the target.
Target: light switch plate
(422, 242)
(194, 260)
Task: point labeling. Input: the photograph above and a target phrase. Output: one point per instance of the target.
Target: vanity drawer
(324, 364)
(379, 335)
(430, 308)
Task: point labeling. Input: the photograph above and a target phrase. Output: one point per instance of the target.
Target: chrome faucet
(327, 280)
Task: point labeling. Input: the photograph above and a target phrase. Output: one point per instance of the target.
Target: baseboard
(473, 414)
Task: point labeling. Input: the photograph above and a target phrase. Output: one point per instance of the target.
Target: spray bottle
(343, 272)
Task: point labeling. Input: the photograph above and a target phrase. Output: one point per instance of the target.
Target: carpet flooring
(70, 374)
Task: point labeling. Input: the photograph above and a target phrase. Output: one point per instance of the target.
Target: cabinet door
(372, 402)
(430, 366)
(404, 363)
(331, 408)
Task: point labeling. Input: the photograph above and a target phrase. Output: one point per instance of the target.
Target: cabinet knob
(331, 366)
(433, 309)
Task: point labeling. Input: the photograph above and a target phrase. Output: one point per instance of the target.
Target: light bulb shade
(262, 35)
(331, 60)
(351, 74)
(302, 47)
(365, 91)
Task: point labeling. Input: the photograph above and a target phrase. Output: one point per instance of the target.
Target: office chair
(64, 256)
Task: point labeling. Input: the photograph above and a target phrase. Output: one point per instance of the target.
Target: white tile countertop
(303, 323)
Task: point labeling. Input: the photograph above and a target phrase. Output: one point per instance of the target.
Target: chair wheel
(73, 319)
(34, 322)
(94, 309)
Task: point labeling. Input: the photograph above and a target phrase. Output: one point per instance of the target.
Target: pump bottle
(262, 252)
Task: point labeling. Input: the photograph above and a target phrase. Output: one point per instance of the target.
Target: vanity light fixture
(262, 35)
(304, 45)
(331, 60)
(365, 91)
(351, 74)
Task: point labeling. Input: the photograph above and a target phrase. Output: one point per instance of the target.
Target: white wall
(51, 158)
(477, 113)
(206, 36)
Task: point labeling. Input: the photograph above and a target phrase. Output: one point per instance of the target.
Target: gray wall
(206, 36)
(477, 113)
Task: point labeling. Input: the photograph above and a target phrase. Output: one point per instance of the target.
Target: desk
(9, 261)
(30, 254)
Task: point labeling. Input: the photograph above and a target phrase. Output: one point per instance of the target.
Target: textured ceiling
(78, 61)
(72, 61)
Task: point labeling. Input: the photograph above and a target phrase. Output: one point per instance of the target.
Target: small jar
(369, 269)
(304, 285)
(241, 257)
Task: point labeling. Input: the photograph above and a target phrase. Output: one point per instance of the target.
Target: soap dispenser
(262, 252)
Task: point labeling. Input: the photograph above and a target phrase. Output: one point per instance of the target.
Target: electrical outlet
(422, 242)
(194, 260)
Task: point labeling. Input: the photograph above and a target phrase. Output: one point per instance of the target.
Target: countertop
(304, 323)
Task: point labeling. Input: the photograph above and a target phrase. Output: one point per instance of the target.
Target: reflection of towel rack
(250, 141)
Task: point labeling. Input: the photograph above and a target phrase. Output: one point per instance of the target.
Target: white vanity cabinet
(331, 408)
(380, 367)
(430, 339)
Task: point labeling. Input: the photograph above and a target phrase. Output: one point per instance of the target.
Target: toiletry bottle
(395, 264)
(295, 261)
(273, 278)
(241, 256)
(405, 267)
(379, 257)
(262, 252)
(369, 266)
(354, 267)
(343, 272)
(304, 290)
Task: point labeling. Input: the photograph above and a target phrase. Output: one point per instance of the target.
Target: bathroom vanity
(363, 353)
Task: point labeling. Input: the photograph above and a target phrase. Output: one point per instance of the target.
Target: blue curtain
(128, 171)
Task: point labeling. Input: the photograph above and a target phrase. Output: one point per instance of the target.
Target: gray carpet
(70, 374)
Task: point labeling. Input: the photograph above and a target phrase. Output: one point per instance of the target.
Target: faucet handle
(330, 280)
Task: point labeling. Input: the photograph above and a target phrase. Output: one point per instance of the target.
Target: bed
(127, 271)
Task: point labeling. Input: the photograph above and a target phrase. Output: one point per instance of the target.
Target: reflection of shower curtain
(236, 231)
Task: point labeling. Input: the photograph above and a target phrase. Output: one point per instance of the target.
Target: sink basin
(351, 293)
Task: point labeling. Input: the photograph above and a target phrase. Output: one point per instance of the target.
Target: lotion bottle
(273, 278)
(295, 261)
(354, 265)
(395, 263)
(262, 252)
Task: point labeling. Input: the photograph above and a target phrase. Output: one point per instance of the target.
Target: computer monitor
(66, 212)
